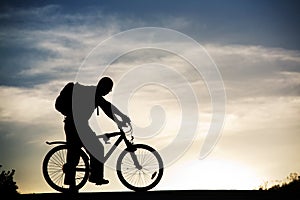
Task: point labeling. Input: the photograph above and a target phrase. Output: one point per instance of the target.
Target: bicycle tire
(53, 169)
(148, 176)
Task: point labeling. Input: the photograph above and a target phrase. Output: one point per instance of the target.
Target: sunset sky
(254, 45)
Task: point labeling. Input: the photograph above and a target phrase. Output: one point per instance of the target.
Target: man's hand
(125, 120)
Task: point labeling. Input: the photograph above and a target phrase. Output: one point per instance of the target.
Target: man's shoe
(68, 181)
(102, 182)
(72, 191)
(98, 181)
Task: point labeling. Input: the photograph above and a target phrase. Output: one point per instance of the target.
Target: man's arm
(110, 110)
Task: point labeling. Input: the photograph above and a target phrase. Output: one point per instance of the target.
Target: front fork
(132, 149)
(135, 160)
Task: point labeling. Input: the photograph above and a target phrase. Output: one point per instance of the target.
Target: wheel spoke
(53, 169)
(137, 178)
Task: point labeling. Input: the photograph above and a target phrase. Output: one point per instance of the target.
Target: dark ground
(166, 195)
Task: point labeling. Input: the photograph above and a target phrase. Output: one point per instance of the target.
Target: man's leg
(95, 149)
(73, 153)
(97, 169)
(73, 156)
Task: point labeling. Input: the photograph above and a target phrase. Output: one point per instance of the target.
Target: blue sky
(255, 44)
(268, 23)
(265, 23)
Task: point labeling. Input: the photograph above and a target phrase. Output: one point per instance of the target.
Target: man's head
(104, 86)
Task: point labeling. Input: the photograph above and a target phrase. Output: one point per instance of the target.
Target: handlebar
(107, 136)
(128, 125)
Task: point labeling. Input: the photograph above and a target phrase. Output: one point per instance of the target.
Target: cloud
(42, 53)
(57, 51)
(17, 103)
(42, 44)
(253, 71)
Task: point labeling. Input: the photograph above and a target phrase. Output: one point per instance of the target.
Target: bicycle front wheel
(53, 169)
(140, 169)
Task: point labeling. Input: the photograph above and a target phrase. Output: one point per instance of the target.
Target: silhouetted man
(85, 100)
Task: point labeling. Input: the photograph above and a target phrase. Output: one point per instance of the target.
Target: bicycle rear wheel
(145, 176)
(54, 173)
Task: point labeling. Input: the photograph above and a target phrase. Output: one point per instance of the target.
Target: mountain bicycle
(139, 167)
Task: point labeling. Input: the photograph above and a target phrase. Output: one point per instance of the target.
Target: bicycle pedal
(153, 175)
(106, 140)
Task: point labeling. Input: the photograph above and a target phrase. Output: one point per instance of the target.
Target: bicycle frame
(122, 137)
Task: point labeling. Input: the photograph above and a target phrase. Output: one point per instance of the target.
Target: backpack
(63, 102)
